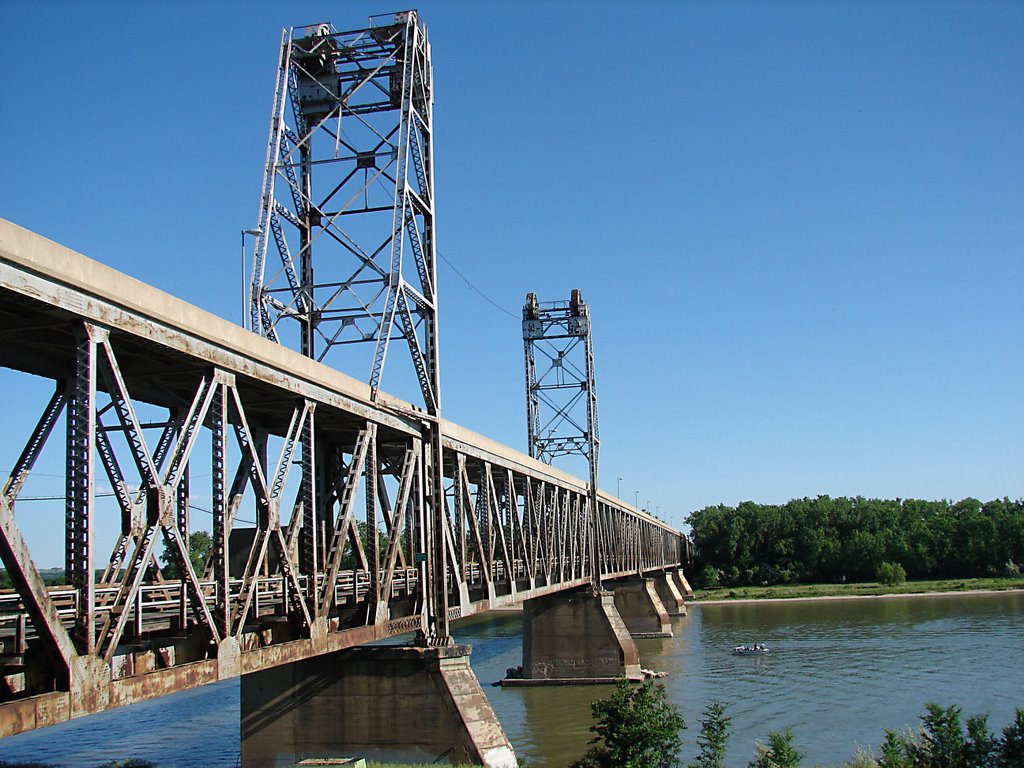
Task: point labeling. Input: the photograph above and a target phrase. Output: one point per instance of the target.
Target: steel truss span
(192, 423)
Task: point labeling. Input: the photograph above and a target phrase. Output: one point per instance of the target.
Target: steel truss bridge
(315, 549)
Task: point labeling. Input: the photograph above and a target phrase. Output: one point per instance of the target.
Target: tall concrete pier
(641, 609)
(576, 636)
(426, 701)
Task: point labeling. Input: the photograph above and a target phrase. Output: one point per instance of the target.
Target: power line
(455, 269)
(477, 290)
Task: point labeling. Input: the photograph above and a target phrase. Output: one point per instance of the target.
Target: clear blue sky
(800, 226)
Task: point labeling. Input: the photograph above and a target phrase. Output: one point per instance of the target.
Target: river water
(840, 672)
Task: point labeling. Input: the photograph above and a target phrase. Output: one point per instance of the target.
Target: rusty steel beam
(323, 578)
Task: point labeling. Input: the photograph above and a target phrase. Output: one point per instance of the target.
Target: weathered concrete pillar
(666, 588)
(640, 608)
(683, 584)
(576, 636)
(425, 702)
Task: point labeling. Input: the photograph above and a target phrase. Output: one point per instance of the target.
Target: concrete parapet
(665, 585)
(576, 636)
(683, 584)
(640, 608)
(423, 702)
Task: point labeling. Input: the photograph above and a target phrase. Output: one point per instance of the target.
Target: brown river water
(839, 674)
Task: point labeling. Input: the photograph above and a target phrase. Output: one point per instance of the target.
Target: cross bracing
(314, 549)
(345, 253)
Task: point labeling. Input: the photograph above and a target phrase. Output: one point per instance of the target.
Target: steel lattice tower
(348, 198)
(348, 202)
(561, 402)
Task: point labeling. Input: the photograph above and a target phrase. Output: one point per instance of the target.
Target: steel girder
(320, 570)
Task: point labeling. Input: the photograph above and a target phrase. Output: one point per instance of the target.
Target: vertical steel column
(370, 493)
(218, 469)
(438, 633)
(309, 559)
(81, 437)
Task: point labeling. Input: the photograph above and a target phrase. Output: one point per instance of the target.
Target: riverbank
(855, 591)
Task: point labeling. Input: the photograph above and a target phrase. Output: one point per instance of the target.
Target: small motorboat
(751, 649)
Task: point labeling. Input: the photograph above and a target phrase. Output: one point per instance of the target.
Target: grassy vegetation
(794, 591)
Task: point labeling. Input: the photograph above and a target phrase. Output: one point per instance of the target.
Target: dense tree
(199, 545)
(636, 727)
(943, 742)
(846, 539)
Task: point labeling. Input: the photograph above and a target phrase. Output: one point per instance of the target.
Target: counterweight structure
(345, 250)
(561, 400)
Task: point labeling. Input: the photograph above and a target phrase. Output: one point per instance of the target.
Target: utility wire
(455, 269)
(472, 287)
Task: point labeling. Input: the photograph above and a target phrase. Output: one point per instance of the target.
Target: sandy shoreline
(736, 601)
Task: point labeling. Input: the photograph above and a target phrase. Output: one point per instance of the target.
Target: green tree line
(831, 540)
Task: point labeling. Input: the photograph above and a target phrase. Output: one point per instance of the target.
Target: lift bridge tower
(345, 251)
(561, 398)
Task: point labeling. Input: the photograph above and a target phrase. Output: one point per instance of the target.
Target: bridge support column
(665, 585)
(682, 584)
(418, 703)
(575, 636)
(640, 607)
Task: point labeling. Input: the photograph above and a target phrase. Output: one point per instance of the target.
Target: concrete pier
(665, 585)
(422, 701)
(684, 586)
(576, 637)
(640, 608)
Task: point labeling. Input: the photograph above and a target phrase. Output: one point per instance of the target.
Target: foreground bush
(636, 727)
(944, 742)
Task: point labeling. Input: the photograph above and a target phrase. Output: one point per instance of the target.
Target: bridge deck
(516, 528)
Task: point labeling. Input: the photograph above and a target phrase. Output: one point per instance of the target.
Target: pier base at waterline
(668, 592)
(640, 608)
(575, 637)
(684, 586)
(425, 701)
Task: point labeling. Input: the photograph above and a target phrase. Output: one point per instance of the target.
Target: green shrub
(636, 727)
(707, 578)
(779, 752)
(890, 574)
(714, 733)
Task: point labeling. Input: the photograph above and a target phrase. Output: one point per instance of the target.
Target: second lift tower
(561, 398)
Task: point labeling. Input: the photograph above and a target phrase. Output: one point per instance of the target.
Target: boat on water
(751, 649)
